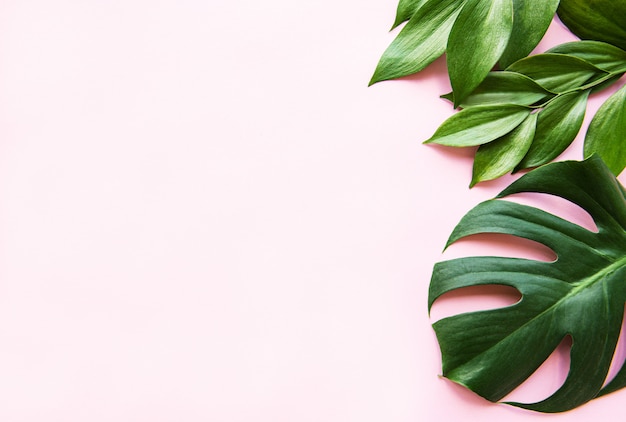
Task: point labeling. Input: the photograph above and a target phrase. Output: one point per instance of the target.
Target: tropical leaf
(499, 157)
(600, 20)
(580, 294)
(606, 135)
(479, 125)
(602, 55)
(557, 72)
(557, 126)
(530, 24)
(477, 40)
(420, 42)
(504, 88)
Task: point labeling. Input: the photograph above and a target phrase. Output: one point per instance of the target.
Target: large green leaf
(504, 88)
(606, 135)
(477, 39)
(605, 56)
(557, 72)
(420, 42)
(580, 294)
(479, 125)
(600, 20)
(558, 124)
(530, 23)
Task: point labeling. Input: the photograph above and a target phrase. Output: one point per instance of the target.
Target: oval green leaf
(420, 42)
(500, 157)
(606, 135)
(479, 125)
(600, 20)
(530, 23)
(477, 39)
(556, 72)
(557, 126)
(581, 294)
(505, 88)
(600, 54)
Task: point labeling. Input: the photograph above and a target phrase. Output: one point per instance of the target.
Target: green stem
(590, 85)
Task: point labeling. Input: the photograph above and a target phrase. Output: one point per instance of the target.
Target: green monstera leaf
(581, 294)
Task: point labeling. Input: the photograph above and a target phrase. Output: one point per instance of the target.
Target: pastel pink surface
(206, 215)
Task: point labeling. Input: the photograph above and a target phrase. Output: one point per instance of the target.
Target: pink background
(206, 215)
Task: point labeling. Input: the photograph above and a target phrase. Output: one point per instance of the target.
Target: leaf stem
(590, 85)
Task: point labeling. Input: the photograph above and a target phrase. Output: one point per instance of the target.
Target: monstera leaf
(581, 294)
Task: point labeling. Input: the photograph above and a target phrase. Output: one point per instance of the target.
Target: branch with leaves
(528, 114)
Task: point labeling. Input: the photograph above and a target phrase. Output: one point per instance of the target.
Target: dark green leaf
(556, 72)
(600, 20)
(406, 9)
(479, 125)
(558, 124)
(606, 135)
(531, 20)
(420, 42)
(605, 56)
(499, 157)
(581, 294)
(505, 88)
(477, 39)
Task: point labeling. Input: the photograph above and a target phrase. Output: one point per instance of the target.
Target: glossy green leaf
(606, 135)
(556, 72)
(477, 39)
(605, 56)
(600, 20)
(581, 294)
(557, 126)
(500, 157)
(505, 88)
(420, 42)
(406, 9)
(479, 125)
(531, 20)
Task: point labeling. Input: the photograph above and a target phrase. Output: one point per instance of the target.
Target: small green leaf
(606, 135)
(406, 9)
(477, 39)
(531, 20)
(600, 54)
(420, 42)
(499, 157)
(557, 126)
(600, 20)
(505, 88)
(556, 72)
(479, 125)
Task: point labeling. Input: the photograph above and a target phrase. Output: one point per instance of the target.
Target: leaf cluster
(529, 113)
(522, 112)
